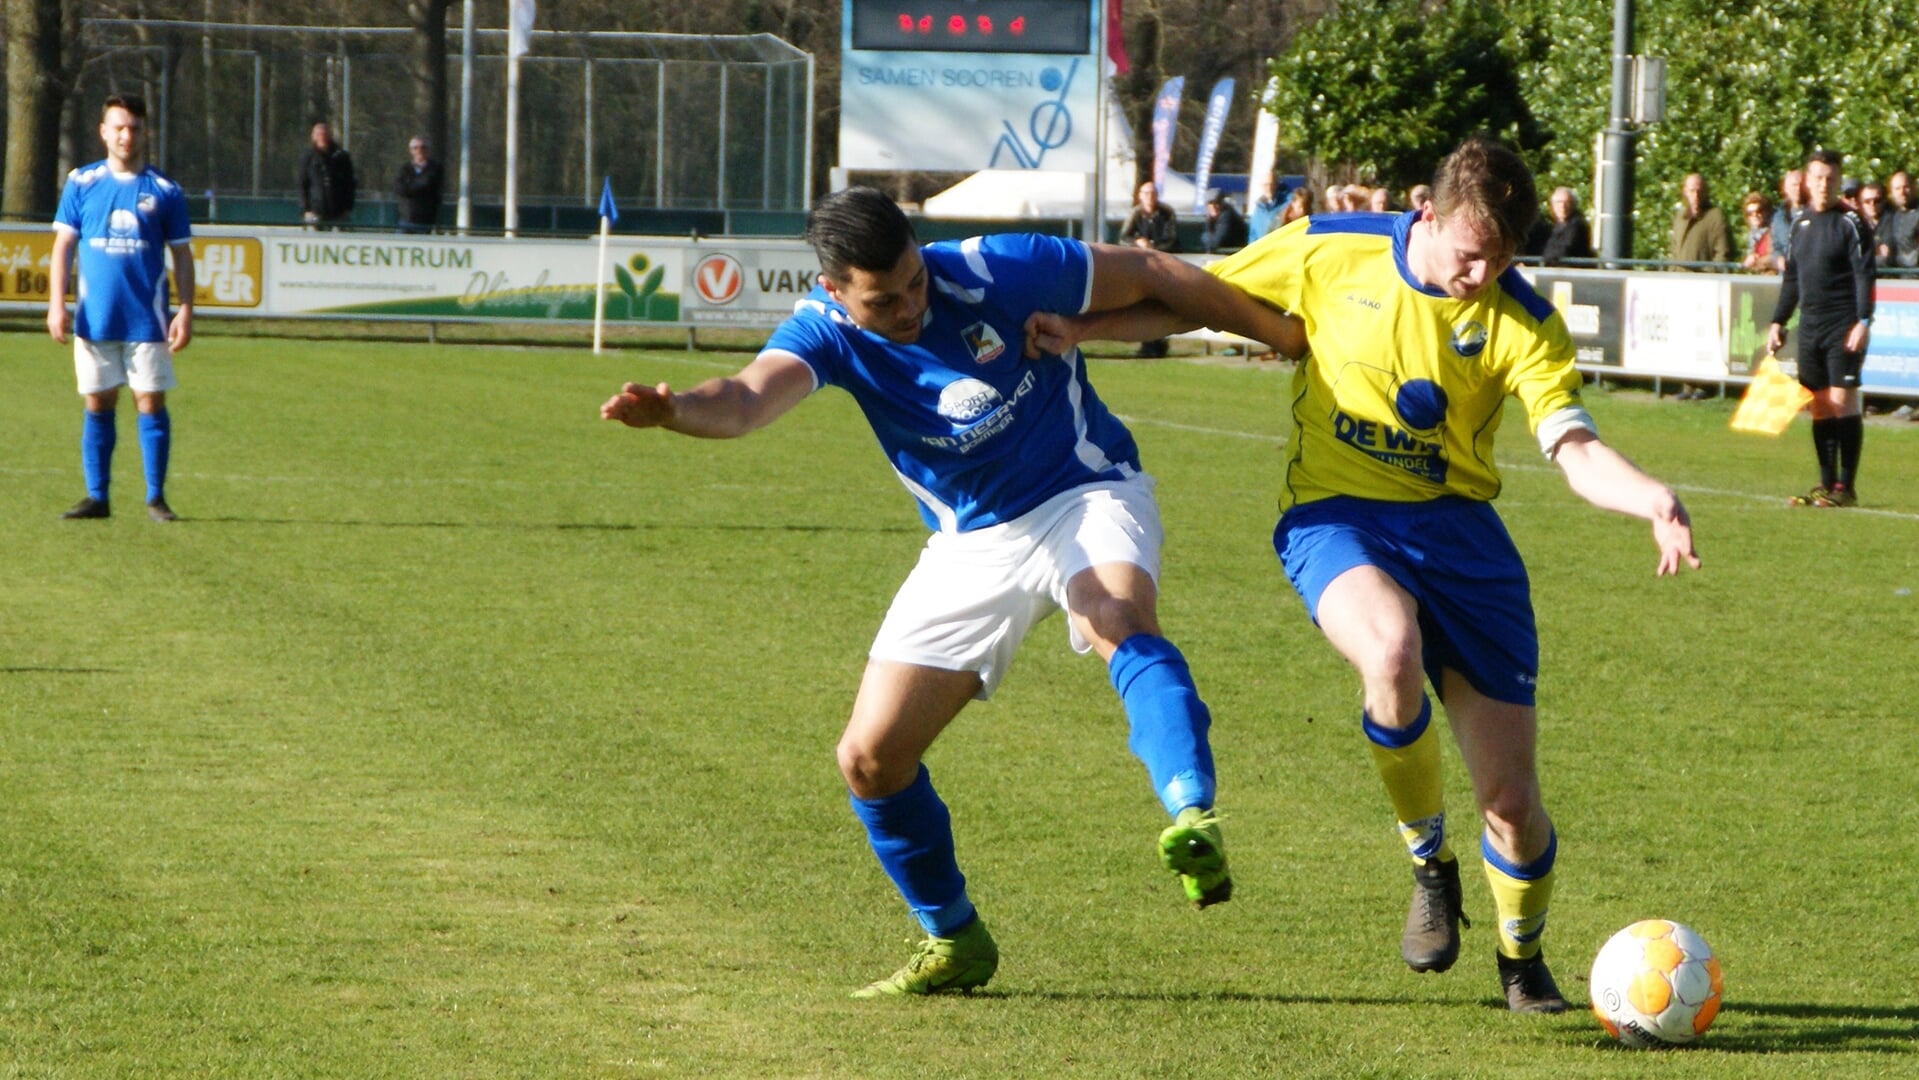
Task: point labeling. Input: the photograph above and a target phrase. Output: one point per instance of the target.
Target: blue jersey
(125, 224)
(976, 432)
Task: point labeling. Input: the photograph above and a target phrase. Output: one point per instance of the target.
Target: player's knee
(1513, 811)
(868, 772)
(1395, 661)
(1114, 619)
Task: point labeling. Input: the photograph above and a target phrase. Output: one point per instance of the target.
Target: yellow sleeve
(1269, 269)
(1542, 376)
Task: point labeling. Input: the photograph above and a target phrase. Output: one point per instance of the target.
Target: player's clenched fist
(640, 406)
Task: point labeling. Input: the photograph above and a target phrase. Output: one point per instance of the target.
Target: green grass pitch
(455, 732)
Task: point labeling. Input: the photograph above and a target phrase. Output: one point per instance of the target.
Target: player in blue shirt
(122, 214)
(1037, 501)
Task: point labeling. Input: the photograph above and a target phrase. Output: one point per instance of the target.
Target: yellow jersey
(1404, 387)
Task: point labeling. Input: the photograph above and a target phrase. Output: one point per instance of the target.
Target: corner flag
(607, 209)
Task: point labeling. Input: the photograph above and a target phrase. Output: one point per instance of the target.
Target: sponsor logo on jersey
(971, 402)
(122, 222)
(1469, 338)
(719, 279)
(984, 341)
(1393, 445)
(147, 204)
(966, 400)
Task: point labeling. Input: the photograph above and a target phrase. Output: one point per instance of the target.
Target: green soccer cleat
(942, 965)
(1191, 847)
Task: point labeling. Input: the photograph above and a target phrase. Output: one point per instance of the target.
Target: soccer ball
(1655, 983)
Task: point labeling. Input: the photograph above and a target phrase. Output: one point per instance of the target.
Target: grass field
(454, 732)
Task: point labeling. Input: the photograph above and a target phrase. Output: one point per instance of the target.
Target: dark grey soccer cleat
(1431, 941)
(88, 507)
(1529, 985)
(158, 510)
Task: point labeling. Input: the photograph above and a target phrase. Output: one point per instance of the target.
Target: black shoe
(1431, 941)
(1529, 985)
(88, 507)
(1153, 350)
(158, 510)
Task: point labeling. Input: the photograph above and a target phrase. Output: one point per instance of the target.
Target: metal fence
(678, 121)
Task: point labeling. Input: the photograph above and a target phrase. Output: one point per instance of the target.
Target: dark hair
(1486, 185)
(1826, 157)
(132, 103)
(860, 228)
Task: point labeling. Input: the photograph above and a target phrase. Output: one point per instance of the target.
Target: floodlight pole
(1615, 210)
(464, 217)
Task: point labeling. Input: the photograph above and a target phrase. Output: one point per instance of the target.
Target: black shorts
(1824, 361)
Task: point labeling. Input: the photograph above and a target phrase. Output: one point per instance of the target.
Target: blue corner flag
(607, 209)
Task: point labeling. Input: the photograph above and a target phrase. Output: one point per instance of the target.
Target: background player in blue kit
(122, 213)
(1037, 501)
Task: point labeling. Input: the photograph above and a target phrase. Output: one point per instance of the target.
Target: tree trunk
(36, 93)
(428, 18)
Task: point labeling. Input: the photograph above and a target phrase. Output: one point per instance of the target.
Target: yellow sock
(1521, 894)
(1408, 761)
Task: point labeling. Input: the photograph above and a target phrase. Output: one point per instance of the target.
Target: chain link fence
(679, 122)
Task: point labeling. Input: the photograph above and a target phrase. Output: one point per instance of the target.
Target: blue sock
(1169, 721)
(156, 441)
(97, 436)
(912, 834)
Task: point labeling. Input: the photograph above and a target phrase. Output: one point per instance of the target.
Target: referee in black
(1829, 278)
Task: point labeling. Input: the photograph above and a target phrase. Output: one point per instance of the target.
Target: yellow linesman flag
(1772, 399)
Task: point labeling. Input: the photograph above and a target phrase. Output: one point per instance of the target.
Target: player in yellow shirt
(1419, 328)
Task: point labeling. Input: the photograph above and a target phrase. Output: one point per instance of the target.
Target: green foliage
(458, 733)
(1751, 89)
(1384, 88)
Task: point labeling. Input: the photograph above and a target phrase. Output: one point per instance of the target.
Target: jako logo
(718, 279)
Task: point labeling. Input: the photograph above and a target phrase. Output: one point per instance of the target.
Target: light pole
(1615, 207)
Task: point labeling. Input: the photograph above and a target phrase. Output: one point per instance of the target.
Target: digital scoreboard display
(972, 26)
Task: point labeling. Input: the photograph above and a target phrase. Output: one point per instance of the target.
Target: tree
(428, 18)
(36, 93)
(1380, 90)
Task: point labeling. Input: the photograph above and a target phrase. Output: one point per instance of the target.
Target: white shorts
(973, 596)
(146, 366)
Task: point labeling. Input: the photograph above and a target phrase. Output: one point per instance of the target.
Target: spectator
(1829, 278)
(418, 187)
(1381, 201)
(326, 180)
(1758, 214)
(1570, 237)
(1699, 230)
(1354, 197)
(1151, 225)
(1298, 205)
(1792, 206)
(1262, 216)
(1903, 232)
(1335, 198)
(1871, 200)
(1419, 196)
(1225, 227)
(122, 215)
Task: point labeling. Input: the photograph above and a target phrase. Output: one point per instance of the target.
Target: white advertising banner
(964, 112)
(1676, 324)
(747, 283)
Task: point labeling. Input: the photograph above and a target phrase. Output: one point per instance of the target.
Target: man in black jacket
(418, 187)
(1829, 278)
(326, 180)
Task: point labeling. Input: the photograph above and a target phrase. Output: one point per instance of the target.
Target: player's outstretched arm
(1141, 295)
(1603, 477)
(723, 408)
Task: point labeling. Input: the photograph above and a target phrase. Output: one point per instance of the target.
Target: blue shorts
(1456, 560)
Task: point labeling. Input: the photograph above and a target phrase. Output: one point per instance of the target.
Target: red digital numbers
(957, 26)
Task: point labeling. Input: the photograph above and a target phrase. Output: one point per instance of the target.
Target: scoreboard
(964, 85)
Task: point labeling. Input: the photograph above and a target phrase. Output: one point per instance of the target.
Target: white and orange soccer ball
(1656, 983)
